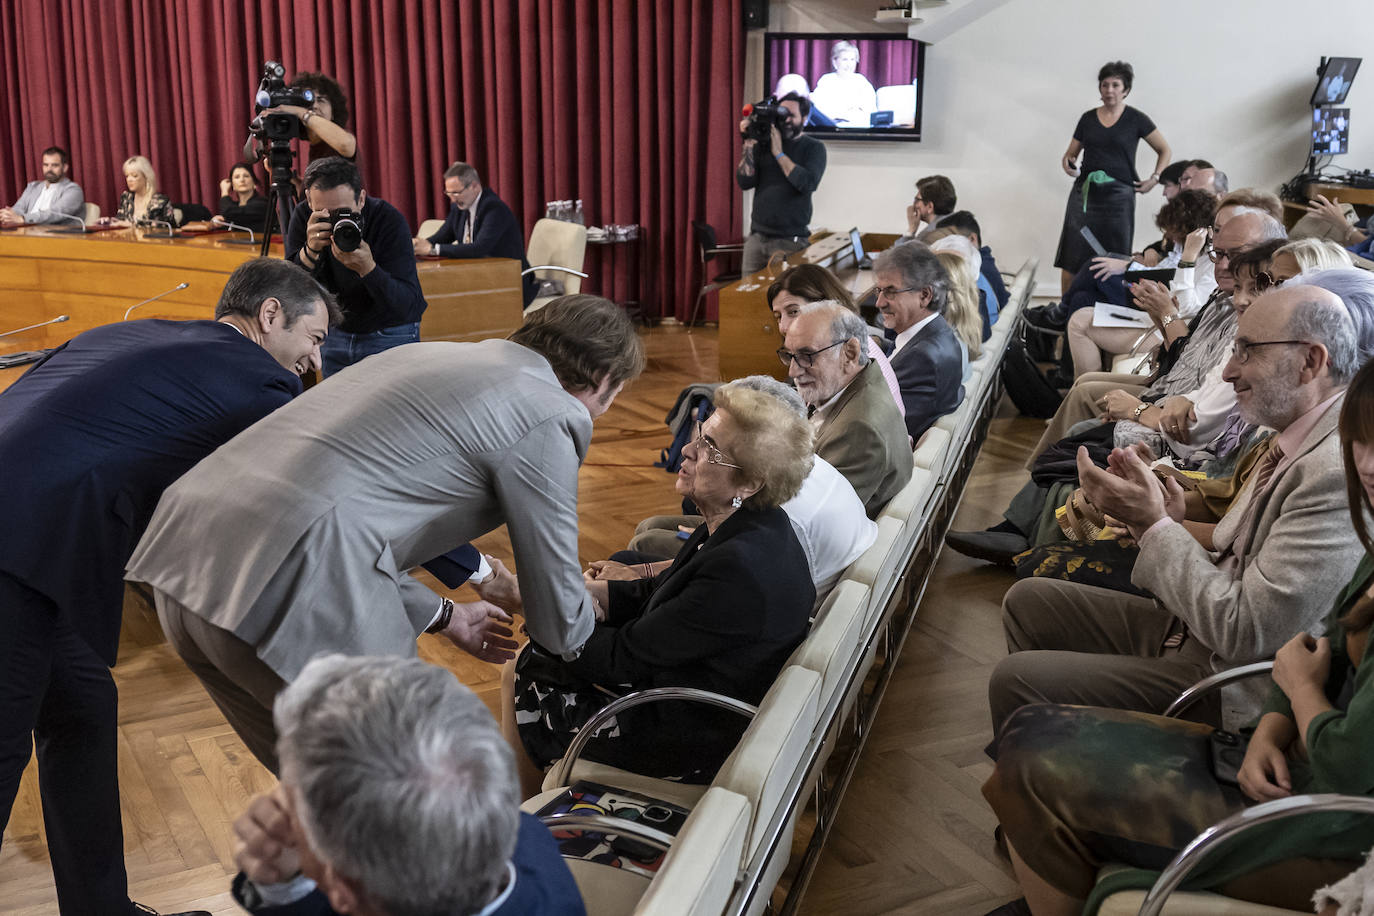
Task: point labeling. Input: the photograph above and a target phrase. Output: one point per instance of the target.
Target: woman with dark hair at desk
(240, 203)
(1104, 189)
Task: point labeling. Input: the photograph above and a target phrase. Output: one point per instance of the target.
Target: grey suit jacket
(68, 202)
(863, 436)
(1301, 554)
(296, 534)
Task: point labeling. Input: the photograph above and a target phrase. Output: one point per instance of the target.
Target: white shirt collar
(503, 896)
(905, 337)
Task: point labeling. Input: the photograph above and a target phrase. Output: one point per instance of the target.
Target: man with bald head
(1282, 552)
(858, 428)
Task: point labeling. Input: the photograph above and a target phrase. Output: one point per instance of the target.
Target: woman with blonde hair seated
(142, 203)
(961, 310)
(723, 617)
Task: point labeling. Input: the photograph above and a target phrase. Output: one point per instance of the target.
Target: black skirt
(1110, 216)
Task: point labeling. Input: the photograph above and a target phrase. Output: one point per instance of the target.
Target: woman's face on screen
(845, 61)
(134, 179)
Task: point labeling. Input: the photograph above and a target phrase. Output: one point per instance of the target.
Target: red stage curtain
(632, 107)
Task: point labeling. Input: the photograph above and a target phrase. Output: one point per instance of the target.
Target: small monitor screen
(1330, 131)
(857, 242)
(861, 86)
(1334, 79)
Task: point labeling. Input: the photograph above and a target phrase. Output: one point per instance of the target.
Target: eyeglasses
(713, 454)
(890, 292)
(453, 195)
(1240, 350)
(804, 358)
(1264, 281)
(1216, 254)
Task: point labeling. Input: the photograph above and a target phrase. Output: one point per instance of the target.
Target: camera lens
(347, 235)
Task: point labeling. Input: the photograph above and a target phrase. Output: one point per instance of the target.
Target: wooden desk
(95, 278)
(1362, 199)
(749, 337)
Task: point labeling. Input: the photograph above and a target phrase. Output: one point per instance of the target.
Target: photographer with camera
(359, 248)
(782, 182)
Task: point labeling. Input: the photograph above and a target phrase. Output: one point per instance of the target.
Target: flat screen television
(1333, 80)
(861, 86)
(1330, 131)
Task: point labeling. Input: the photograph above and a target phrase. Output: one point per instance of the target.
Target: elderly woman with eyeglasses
(723, 617)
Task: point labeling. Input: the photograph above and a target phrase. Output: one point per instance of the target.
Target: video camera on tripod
(274, 93)
(763, 117)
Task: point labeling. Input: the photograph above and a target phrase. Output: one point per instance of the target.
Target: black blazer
(930, 373)
(92, 435)
(724, 617)
(497, 235)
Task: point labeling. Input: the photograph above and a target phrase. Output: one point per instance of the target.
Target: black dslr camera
(763, 117)
(346, 226)
(273, 93)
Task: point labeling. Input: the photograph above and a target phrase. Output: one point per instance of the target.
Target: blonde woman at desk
(142, 203)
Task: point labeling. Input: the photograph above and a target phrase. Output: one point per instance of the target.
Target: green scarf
(1092, 178)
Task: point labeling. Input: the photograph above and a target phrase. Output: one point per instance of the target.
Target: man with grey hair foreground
(1283, 551)
(398, 797)
(912, 290)
(858, 428)
(826, 515)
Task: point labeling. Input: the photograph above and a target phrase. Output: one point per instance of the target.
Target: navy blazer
(497, 236)
(930, 375)
(92, 435)
(543, 884)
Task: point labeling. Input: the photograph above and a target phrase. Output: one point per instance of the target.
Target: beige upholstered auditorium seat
(762, 766)
(698, 875)
(879, 562)
(931, 449)
(556, 251)
(912, 498)
(829, 648)
(1191, 903)
(429, 227)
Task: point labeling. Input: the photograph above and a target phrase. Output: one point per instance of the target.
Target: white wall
(1225, 80)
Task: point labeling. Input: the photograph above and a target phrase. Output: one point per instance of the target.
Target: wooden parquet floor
(913, 836)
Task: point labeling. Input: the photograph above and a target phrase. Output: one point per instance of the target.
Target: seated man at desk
(912, 290)
(479, 225)
(373, 278)
(54, 199)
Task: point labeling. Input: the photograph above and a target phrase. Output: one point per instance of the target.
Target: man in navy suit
(912, 291)
(397, 795)
(479, 225)
(89, 438)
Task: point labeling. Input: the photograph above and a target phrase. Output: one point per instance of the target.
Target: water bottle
(577, 216)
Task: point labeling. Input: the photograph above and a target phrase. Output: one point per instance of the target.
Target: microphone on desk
(171, 230)
(39, 325)
(179, 286)
(251, 237)
(79, 221)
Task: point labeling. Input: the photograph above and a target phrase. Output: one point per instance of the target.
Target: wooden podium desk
(94, 278)
(749, 337)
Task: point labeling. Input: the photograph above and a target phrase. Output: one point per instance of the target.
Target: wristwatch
(1167, 320)
(1135, 414)
(1187, 263)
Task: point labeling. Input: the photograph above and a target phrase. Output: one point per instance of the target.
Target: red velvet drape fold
(630, 106)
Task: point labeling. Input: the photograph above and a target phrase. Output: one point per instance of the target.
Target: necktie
(467, 229)
(1264, 472)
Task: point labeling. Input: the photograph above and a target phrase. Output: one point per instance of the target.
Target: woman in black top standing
(1104, 189)
(239, 201)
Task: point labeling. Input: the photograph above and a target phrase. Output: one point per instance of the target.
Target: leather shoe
(1047, 318)
(994, 546)
(142, 909)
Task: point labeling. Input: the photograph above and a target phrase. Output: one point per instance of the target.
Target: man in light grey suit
(294, 538)
(55, 199)
(1284, 550)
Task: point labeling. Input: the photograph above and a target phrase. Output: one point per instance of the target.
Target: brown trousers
(1080, 403)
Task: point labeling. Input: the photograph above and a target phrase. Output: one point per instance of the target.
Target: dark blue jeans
(342, 349)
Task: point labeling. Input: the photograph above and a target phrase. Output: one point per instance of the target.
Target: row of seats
(729, 854)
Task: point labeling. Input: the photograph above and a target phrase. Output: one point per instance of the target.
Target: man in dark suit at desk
(479, 225)
(912, 290)
(89, 439)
